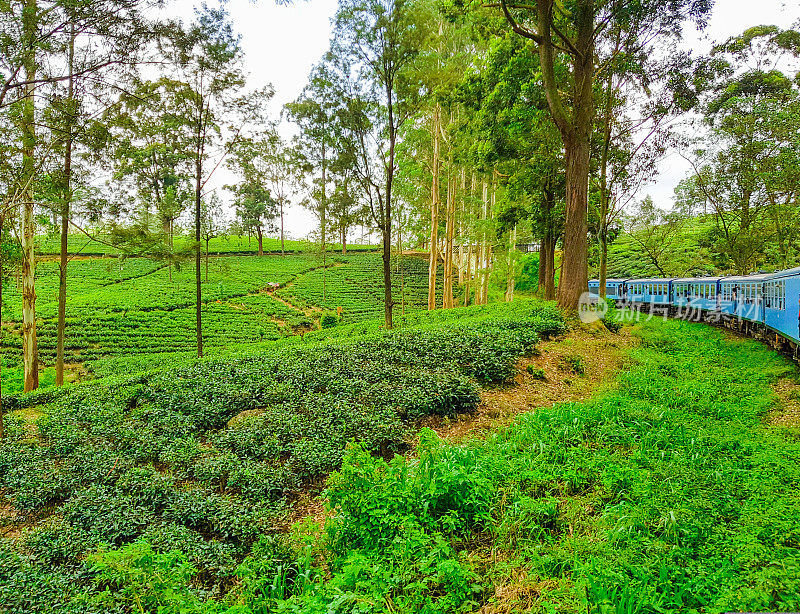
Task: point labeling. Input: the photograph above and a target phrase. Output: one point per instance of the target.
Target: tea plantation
(169, 485)
(200, 458)
(134, 307)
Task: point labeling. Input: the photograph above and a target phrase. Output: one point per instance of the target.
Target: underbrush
(669, 494)
(174, 477)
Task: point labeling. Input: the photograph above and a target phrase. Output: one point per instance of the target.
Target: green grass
(668, 495)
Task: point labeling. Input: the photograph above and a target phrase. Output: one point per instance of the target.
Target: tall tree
(37, 50)
(318, 114)
(255, 207)
(207, 82)
(378, 42)
(580, 31)
(747, 168)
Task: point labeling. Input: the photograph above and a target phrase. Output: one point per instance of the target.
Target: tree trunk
(208, 240)
(30, 351)
(603, 262)
(550, 270)
(574, 279)
(198, 192)
(260, 234)
(66, 202)
(322, 228)
(400, 262)
(548, 246)
(575, 127)
(468, 276)
(283, 251)
(510, 281)
(388, 302)
(447, 294)
(460, 229)
(433, 262)
(542, 263)
(488, 252)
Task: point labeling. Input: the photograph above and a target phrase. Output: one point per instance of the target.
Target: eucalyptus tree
(255, 206)
(513, 132)
(377, 43)
(149, 147)
(207, 83)
(278, 164)
(643, 89)
(212, 222)
(655, 232)
(37, 50)
(572, 39)
(317, 112)
(747, 169)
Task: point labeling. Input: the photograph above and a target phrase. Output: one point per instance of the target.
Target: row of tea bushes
(201, 456)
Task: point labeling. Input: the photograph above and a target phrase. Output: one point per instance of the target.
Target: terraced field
(356, 285)
(138, 309)
(230, 244)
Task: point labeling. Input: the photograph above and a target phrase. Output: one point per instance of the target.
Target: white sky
(282, 43)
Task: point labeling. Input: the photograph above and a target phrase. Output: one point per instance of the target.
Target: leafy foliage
(199, 457)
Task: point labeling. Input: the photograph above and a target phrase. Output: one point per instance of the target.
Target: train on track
(763, 305)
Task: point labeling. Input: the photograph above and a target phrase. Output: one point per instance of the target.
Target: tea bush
(667, 495)
(200, 456)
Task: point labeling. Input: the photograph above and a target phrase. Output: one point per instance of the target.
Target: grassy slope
(668, 495)
(130, 310)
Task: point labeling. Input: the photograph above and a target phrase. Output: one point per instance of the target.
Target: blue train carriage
(649, 291)
(698, 293)
(613, 288)
(743, 297)
(781, 293)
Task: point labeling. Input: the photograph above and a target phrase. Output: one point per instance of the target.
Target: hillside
(684, 256)
(588, 473)
(137, 309)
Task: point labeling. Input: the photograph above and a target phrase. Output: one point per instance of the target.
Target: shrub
(328, 320)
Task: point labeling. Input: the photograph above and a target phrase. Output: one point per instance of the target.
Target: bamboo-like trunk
(198, 195)
(30, 351)
(283, 251)
(460, 230)
(483, 255)
(510, 281)
(433, 260)
(66, 203)
(488, 251)
(208, 240)
(447, 292)
(468, 284)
